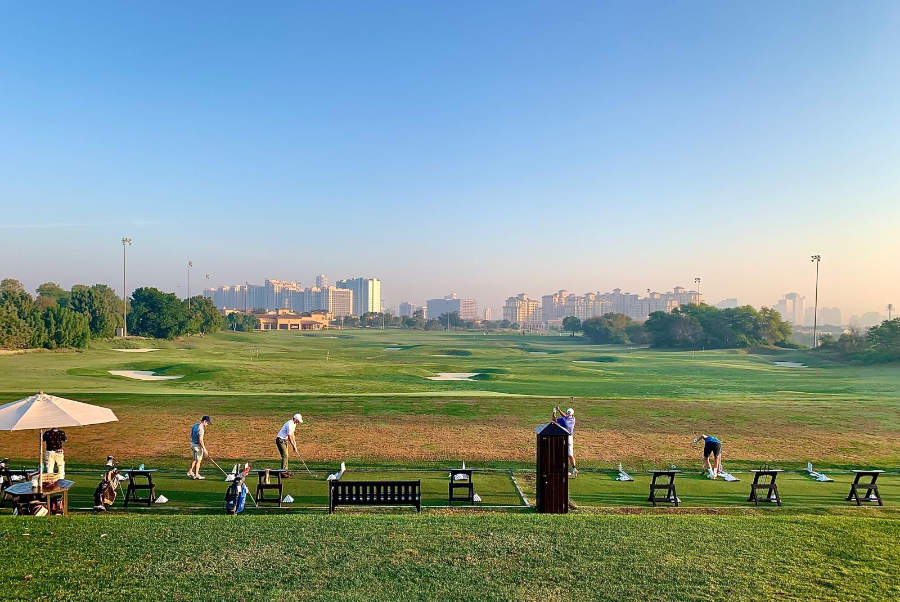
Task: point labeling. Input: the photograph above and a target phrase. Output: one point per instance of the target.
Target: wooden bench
(264, 483)
(467, 486)
(764, 480)
(131, 494)
(870, 487)
(667, 485)
(374, 493)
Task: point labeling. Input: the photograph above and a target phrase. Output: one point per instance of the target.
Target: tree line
(56, 318)
(689, 327)
(878, 344)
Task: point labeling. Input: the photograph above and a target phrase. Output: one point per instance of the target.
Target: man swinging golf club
(711, 446)
(286, 436)
(198, 447)
(567, 421)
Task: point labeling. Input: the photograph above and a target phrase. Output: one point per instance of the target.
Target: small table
(765, 479)
(23, 494)
(134, 486)
(7, 475)
(870, 487)
(263, 475)
(466, 484)
(670, 497)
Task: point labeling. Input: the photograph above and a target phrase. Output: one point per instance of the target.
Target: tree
(885, 338)
(50, 293)
(11, 285)
(100, 305)
(202, 316)
(241, 322)
(608, 329)
(14, 331)
(571, 324)
(156, 314)
(65, 328)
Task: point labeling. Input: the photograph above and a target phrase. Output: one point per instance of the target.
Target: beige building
(285, 319)
(521, 310)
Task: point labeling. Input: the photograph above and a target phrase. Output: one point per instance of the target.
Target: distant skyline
(485, 150)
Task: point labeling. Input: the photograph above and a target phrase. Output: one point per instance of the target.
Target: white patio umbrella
(44, 411)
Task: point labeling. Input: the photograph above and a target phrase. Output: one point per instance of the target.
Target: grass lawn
(633, 405)
(433, 556)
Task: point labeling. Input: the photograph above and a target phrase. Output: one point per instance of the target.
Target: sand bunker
(453, 376)
(142, 375)
(147, 350)
(790, 364)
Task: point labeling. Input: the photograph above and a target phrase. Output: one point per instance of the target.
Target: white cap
(570, 412)
(298, 417)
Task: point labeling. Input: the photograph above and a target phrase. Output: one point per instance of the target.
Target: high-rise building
(406, 309)
(727, 303)
(522, 310)
(279, 294)
(321, 281)
(467, 309)
(366, 294)
(487, 314)
(790, 306)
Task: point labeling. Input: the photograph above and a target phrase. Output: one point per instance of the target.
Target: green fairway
(359, 388)
(495, 556)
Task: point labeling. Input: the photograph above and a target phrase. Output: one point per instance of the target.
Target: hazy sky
(483, 148)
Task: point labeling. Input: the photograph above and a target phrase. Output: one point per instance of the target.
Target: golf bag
(236, 494)
(105, 493)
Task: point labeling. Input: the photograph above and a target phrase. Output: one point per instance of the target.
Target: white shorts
(571, 447)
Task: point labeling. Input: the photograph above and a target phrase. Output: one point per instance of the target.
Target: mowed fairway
(368, 398)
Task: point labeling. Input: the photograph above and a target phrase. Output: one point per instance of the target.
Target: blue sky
(482, 148)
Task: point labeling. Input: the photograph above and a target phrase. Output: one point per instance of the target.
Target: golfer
(198, 447)
(567, 421)
(54, 457)
(711, 446)
(285, 436)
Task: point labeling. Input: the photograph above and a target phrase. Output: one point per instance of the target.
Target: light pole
(125, 242)
(699, 295)
(890, 310)
(816, 259)
(190, 265)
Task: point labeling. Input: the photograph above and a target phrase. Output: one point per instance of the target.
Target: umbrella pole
(41, 462)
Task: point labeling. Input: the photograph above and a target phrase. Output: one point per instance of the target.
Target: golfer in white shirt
(285, 436)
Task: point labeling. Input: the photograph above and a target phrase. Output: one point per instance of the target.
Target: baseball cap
(298, 417)
(570, 412)
(207, 419)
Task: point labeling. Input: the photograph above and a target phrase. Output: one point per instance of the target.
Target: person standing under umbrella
(54, 457)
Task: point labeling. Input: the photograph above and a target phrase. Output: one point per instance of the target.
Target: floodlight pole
(190, 265)
(890, 309)
(125, 242)
(699, 294)
(816, 259)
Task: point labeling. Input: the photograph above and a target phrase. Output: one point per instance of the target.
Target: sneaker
(191, 475)
(200, 477)
(574, 472)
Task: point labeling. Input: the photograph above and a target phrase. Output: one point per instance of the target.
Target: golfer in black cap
(198, 447)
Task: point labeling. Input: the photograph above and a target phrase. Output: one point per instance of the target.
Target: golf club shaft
(301, 460)
(226, 474)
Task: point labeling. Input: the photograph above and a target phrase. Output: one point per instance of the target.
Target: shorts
(571, 446)
(196, 452)
(712, 448)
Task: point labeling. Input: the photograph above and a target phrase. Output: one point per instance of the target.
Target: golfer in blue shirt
(711, 446)
(567, 421)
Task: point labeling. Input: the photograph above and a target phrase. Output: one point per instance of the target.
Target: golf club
(226, 474)
(304, 464)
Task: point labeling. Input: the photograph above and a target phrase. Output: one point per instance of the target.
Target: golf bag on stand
(105, 493)
(236, 494)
